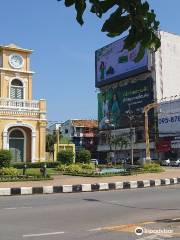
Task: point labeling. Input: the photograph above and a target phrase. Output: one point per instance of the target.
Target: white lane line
(14, 208)
(25, 207)
(41, 234)
(10, 208)
(95, 229)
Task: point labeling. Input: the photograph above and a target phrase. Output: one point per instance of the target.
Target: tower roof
(13, 46)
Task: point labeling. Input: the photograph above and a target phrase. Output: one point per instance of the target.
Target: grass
(23, 178)
(36, 171)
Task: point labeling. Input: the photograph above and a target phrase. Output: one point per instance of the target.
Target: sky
(63, 58)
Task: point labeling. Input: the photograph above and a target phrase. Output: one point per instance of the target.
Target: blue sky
(63, 58)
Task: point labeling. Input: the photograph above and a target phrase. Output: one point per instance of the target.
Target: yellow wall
(64, 147)
(18, 117)
(7, 73)
(40, 128)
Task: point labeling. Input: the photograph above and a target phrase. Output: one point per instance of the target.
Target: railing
(19, 104)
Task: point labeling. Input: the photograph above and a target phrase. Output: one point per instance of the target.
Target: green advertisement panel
(120, 103)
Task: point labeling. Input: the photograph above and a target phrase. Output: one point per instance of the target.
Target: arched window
(16, 89)
(16, 134)
(17, 145)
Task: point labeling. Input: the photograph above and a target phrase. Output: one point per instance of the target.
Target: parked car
(166, 162)
(95, 161)
(175, 163)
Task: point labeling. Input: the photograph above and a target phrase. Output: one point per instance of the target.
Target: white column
(5, 140)
(33, 147)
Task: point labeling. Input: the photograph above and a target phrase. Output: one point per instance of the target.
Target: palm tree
(121, 141)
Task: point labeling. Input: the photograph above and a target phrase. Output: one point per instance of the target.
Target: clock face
(16, 61)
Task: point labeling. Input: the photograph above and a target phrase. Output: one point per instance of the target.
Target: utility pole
(57, 139)
(109, 127)
(130, 116)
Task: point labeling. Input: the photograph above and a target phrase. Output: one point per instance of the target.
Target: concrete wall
(167, 66)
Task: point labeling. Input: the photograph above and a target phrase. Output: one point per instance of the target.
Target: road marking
(151, 237)
(121, 228)
(14, 208)
(26, 207)
(41, 234)
(95, 229)
(10, 208)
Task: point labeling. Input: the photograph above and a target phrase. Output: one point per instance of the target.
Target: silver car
(175, 163)
(166, 162)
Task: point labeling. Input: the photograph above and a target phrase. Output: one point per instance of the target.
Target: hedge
(35, 165)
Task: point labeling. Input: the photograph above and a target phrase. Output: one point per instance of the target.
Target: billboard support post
(146, 110)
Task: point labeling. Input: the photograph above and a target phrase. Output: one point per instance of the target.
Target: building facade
(126, 87)
(22, 119)
(83, 133)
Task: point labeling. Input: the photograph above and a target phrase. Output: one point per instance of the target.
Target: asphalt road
(110, 215)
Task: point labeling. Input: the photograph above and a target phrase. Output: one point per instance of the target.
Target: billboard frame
(122, 76)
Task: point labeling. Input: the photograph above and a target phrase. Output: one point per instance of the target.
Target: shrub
(65, 157)
(9, 171)
(89, 166)
(152, 167)
(35, 165)
(61, 167)
(84, 156)
(5, 158)
(77, 168)
(74, 168)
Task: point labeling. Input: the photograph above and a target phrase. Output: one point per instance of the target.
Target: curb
(88, 187)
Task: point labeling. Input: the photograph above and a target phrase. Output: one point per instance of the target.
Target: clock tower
(22, 119)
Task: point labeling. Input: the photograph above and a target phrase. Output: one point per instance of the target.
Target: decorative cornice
(16, 71)
(26, 118)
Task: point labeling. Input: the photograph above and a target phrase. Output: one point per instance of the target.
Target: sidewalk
(60, 180)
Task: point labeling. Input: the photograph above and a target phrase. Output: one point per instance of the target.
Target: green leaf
(116, 24)
(80, 6)
(140, 54)
(96, 8)
(69, 3)
(101, 7)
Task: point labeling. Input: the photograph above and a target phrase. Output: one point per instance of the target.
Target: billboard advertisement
(169, 118)
(116, 104)
(113, 63)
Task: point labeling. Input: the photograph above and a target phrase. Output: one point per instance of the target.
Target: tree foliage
(84, 156)
(5, 158)
(64, 140)
(132, 16)
(50, 141)
(65, 156)
(121, 141)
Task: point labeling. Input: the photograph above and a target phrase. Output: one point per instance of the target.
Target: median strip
(89, 187)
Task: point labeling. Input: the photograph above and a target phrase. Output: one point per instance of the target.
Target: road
(93, 216)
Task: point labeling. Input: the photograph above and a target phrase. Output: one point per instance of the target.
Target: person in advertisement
(105, 112)
(102, 70)
(113, 103)
(115, 110)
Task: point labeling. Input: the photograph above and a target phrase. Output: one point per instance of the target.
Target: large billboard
(113, 63)
(120, 103)
(169, 118)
